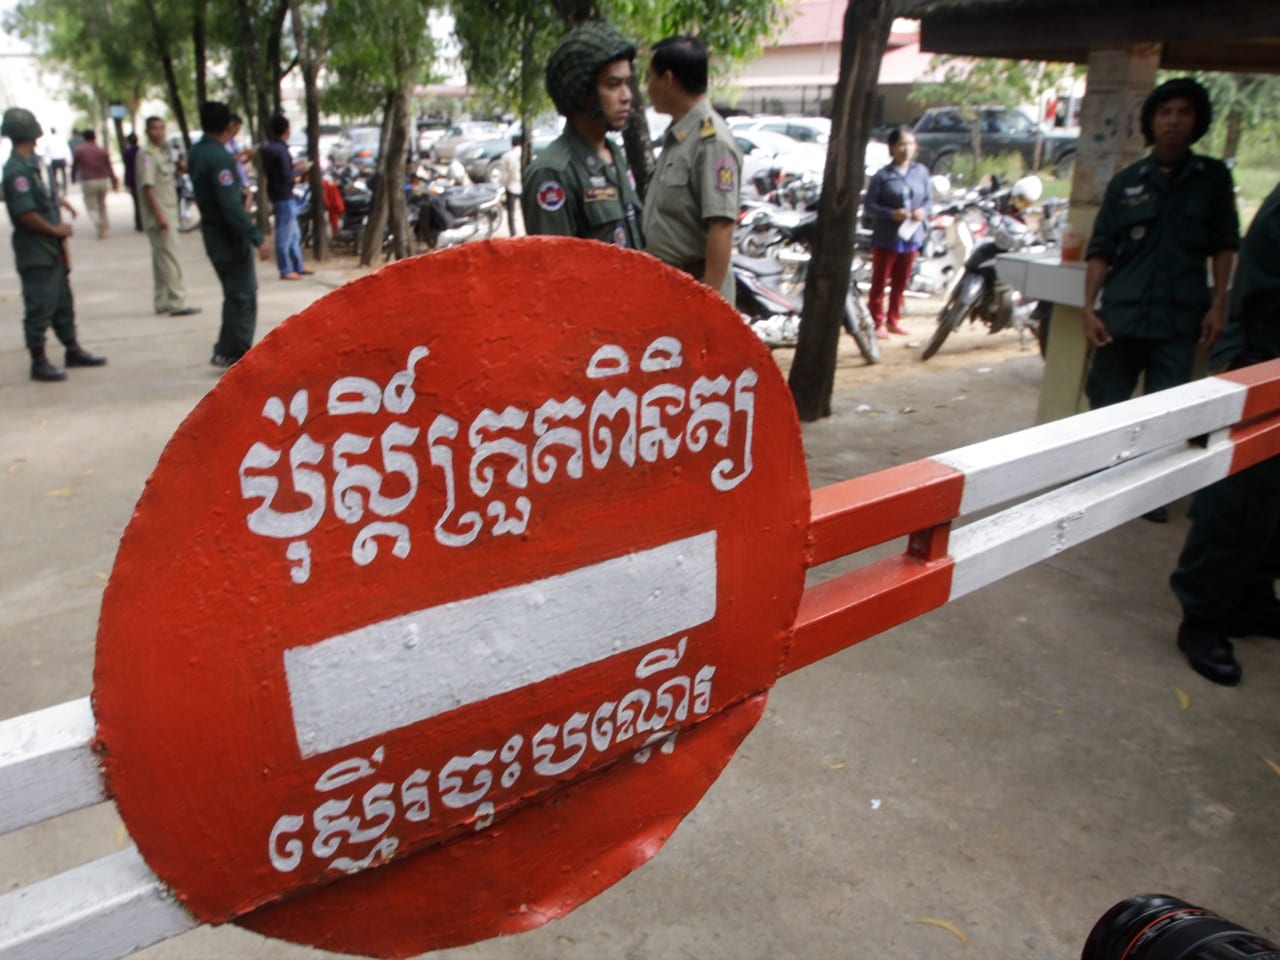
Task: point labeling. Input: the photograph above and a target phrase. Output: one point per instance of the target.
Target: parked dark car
(944, 134)
(480, 157)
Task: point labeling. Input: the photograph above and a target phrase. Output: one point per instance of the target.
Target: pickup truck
(943, 134)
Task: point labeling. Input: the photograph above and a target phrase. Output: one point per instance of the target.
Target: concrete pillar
(1110, 140)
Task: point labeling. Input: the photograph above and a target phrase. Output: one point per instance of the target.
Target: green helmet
(20, 125)
(573, 64)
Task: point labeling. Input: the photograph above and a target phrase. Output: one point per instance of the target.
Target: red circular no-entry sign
(452, 598)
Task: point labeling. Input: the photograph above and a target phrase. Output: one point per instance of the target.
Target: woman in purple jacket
(899, 202)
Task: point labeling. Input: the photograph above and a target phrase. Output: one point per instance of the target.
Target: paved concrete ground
(1011, 764)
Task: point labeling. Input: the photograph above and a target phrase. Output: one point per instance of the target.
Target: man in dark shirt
(230, 234)
(279, 166)
(1163, 221)
(1226, 574)
(130, 177)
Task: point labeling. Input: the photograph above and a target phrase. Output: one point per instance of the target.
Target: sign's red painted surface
(452, 598)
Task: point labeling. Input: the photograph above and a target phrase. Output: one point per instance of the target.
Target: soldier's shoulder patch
(726, 174)
(226, 178)
(21, 184)
(551, 196)
(707, 130)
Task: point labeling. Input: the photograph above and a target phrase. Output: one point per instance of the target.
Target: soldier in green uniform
(1161, 220)
(580, 186)
(39, 249)
(692, 204)
(230, 234)
(1226, 575)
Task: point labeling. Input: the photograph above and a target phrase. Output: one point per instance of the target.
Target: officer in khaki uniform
(158, 207)
(692, 205)
(230, 234)
(580, 185)
(1162, 220)
(39, 249)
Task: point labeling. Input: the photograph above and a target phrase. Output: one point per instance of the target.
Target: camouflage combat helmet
(573, 64)
(20, 125)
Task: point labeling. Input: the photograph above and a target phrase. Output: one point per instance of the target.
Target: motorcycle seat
(467, 201)
(760, 266)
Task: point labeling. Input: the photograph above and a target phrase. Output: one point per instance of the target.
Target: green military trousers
(46, 301)
(1232, 554)
(1117, 366)
(239, 304)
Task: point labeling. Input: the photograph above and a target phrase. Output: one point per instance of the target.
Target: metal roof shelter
(1124, 42)
(1233, 35)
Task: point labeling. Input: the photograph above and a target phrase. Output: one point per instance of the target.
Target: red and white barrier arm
(1100, 469)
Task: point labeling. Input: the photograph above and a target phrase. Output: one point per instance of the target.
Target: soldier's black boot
(42, 369)
(78, 356)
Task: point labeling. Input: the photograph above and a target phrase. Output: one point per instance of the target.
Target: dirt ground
(970, 346)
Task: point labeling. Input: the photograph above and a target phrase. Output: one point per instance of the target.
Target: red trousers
(896, 268)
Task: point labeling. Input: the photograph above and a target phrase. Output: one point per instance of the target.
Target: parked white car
(809, 131)
(762, 150)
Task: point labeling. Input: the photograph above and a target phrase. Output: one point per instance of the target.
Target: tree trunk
(866, 33)
(635, 140)
(376, 226)
(257, 78)
(310, 72)
(271, 72)
(160, 36)
(199, 21)
(397, 146)
(1235, 126)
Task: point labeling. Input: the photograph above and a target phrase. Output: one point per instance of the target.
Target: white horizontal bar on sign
(47, 765)
(1017, 464)
(106, 909)
(997, 546)
(401, 671)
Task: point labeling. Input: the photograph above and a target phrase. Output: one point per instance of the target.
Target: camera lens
(1155, 926)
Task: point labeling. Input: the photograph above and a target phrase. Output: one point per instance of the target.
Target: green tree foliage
(379, 50)
(1242, 102)
(505, 44)
(88, 40)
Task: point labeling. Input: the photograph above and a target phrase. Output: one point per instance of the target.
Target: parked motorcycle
(770, 289)
(449, 214)
(188, 212)
(979, 295)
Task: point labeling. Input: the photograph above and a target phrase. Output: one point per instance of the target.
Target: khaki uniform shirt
(154, 168)
(24, 192)
(699, 177)
(1157, 232)
(227, 228)
(571, 192)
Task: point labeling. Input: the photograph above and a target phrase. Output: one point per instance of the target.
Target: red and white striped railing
(1035, 493)
(1083, 475)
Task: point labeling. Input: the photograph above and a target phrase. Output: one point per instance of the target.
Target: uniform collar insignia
(708, 129)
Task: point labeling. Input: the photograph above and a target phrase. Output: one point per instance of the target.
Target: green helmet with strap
(578, 57)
